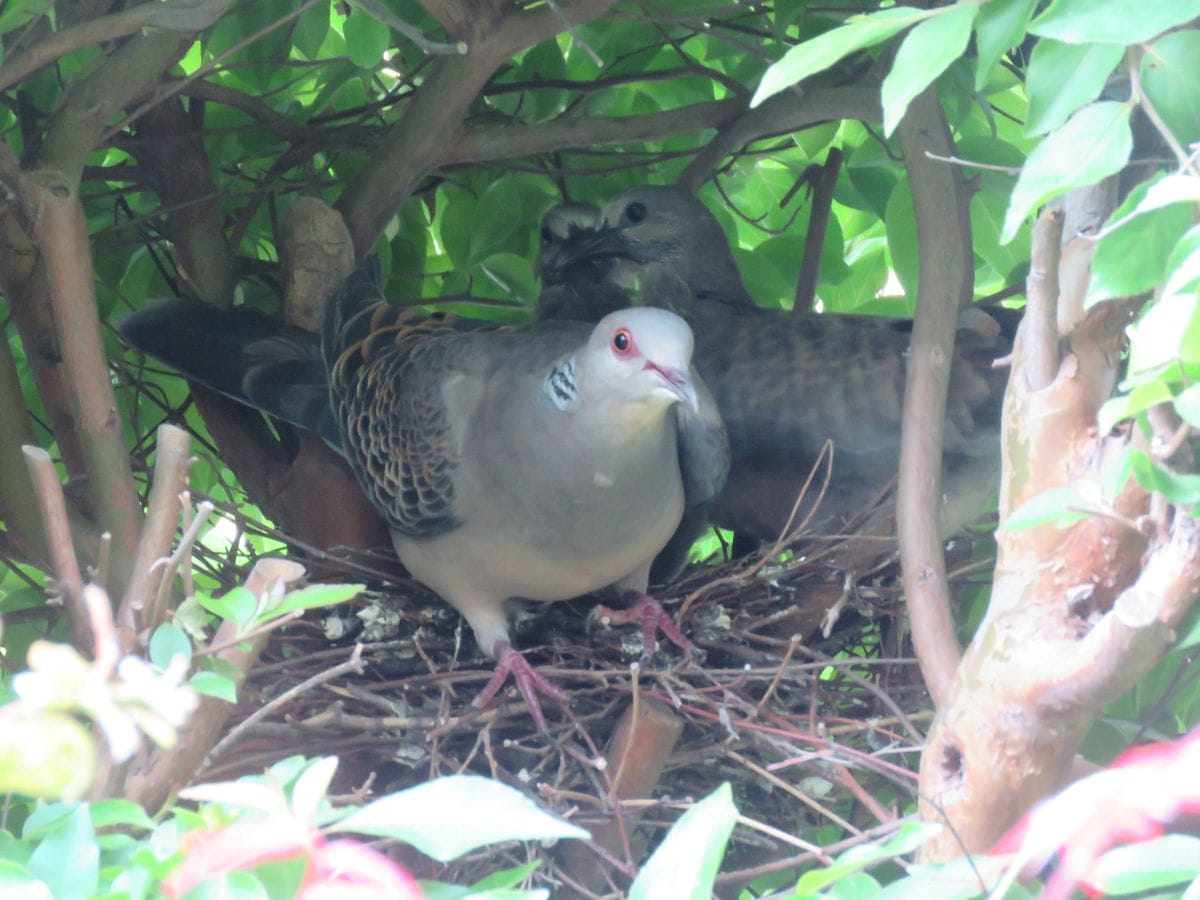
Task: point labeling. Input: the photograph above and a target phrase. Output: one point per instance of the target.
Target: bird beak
(678, 383)
(603, 243)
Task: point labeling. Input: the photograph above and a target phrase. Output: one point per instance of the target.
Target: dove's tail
(273, 368)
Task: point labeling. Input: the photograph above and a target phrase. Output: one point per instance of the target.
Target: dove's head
(641, 357)
(661, 225)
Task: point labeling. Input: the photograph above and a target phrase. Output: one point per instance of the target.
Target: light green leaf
(214, 685)
(115, 811)
(166, 643)
(1171, 82)
(1058, 506)
(1155, 339)
(1094, 144)
(1053, 97)
(450, 816)
(312, 597)
(1138, 400)
(824, 50)
(1187, 404)
(1112, 21)
(1184, 265)
(366, 39)
(68, 859)
(999, 26)
(925, 53)
(237, 606)
(909, 837)
(1132, 257)
(685, 864)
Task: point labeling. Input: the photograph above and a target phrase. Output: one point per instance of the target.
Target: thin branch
(814, 239)
(1039, 328)
(945, 272)
(67, 576)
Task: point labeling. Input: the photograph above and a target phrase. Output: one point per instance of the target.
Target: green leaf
(450, 816)
(1094, 144)
(114, 811)
(1156, 338)
(1112, 21)
(987, 218)
(925, 53)
(901, 224)
(909, 837)
(1187, 404)
(67, 858)
(166, 643)
(824, 50)
(999, 26)
(1138, 400)
(1184, 265)
(1057, 506)
(1132, 257)
(312, 597)
(309, 32)
(1181, 489)
(1052, 97)
(1171, 82)
(366, 39)
(237, 606)
(686, 862)
(214, 685)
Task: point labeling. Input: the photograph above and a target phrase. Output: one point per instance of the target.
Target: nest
(803, 697)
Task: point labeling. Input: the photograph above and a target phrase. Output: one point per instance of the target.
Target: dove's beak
(678, 383)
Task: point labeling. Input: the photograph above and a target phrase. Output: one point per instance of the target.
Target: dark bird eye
(547, 236)
(622, 340)
(635, 212)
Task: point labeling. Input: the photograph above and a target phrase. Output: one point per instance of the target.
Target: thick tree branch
(416, 144)
(173, 15)
(945, 270)
(171, 151)
(61, 232)
(482, 144)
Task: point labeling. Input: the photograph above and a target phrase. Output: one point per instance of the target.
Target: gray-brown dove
(537, 462)
(786, 383)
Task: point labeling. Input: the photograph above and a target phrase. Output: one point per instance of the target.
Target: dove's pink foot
(530, 682)
(654, 618)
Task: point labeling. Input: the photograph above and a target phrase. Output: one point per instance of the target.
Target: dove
(786, 383)
(538, 462)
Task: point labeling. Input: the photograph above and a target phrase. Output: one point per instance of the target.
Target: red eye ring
(622, 342)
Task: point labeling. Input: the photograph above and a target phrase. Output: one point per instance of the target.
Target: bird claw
(530, 682)
(654, 618)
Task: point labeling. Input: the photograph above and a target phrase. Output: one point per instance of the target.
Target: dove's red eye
(623, 342)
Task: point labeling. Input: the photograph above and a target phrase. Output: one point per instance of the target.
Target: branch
(782, 114)
(814, 240)
(61, 233)
(482, 144)
(137, 611)
(67, 577)
(1038, 346)
(417, 143)
(181, 15)
(945, 270)
(171, 150)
